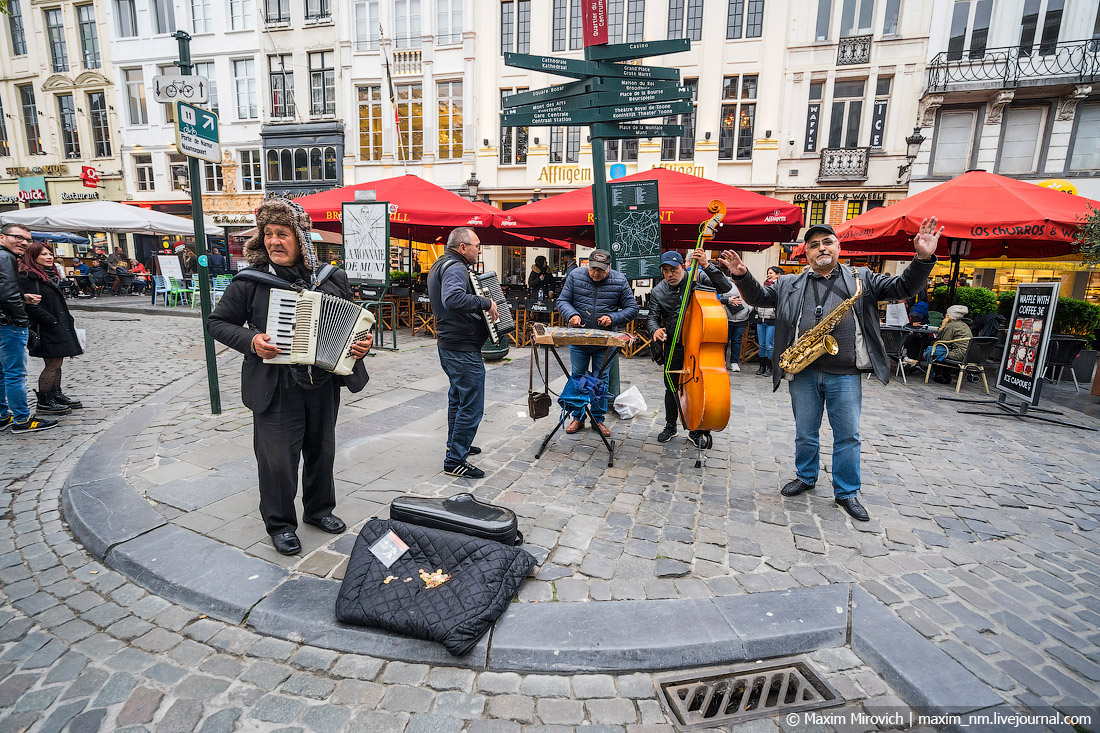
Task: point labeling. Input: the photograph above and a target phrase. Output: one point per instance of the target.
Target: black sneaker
(33, 425)
(463, 469)
(667, 434)
(701, 439)
(474, 450)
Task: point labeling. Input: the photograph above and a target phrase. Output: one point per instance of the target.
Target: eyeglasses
(28, 240)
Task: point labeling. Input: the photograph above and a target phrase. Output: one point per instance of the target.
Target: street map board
(1024, 360)
(367, 241)
(197, 132)
(635, 228)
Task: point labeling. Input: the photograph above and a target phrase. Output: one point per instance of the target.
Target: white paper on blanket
(388, 548)
(896, 315)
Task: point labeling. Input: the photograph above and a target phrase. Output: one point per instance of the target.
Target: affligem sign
(1025, 356)
(32, 190)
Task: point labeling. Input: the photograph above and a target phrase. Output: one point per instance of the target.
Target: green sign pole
(602, 211)
(200, 247)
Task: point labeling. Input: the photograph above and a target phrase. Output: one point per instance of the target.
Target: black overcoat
(51, 318)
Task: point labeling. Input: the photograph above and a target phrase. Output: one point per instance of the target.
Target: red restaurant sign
(595, 22)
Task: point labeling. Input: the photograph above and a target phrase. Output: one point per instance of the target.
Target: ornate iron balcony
(854, 50)
(843, 164)
(1007, 67)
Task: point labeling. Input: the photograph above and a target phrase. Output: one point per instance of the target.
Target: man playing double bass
(833, 382)
(664, 309)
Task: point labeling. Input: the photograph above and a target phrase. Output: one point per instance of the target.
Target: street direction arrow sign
(197, 132)
(607, 84)
(553, 65)
(620, 130)
(633, 71)
(624, 51)
(600, 114)
(639, 96)
(171, 89)
(558, 91)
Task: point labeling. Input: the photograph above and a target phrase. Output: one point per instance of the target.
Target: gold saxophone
(818, 341)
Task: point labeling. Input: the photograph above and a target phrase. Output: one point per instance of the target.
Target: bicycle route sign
(197, 132)
(171, 89)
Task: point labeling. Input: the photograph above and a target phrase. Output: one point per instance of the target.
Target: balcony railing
(854, 50)
(319, 18)
(406, 63)
(276, 19)
(1073, 61)
(843, 164)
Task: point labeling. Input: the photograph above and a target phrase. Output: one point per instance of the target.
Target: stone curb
(114, 522)
(144, 310)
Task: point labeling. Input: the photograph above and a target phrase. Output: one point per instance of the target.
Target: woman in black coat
(540, 279)
(51, 319)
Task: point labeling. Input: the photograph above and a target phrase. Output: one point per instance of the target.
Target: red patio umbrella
(752, 220)
(1000, 216)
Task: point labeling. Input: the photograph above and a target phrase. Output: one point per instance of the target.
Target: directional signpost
(197, 132)
(608, 96)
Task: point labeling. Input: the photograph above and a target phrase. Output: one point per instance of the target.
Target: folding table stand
(553, 349)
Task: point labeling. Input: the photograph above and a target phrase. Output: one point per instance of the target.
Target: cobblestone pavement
(984, 540)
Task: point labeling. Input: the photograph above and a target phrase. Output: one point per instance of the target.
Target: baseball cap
(600, 259)
(672, 258)
(818, 228)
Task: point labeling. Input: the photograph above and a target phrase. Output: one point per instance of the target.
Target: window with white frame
(890, 18)
(66, 115)
(855, 17)
(410, 112)
(824, 19)
(448, 22)
(244, 80)
(211, 177)
(515, 26)
(55, 34)
(366, 25)
(682, 147)
(449, 102)
(954, 138)
(250, 171)
(30, 119)
(559, 27)
(1020, 146)
(240, 15)
(1041, 18)
(738, 124)
(15, 28)
(143, 172)
(89, 36)
(406, 23)
(322, 84)
(565, 144)
(101, 128)
(690, 11)
(625, 150)
(178, 172)
(370, 122)
(318, 10)
(576, 25)
(742, 24)
(276, 12)
(205, 69)
(164, 16)
(202, 20)
(1085, 149)
(847, 109)
(513, 140)
(281, 81)
(134, 80)
(969, 28)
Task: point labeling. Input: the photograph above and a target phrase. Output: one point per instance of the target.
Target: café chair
(977, 352)
(894, 342)
(1062, 353)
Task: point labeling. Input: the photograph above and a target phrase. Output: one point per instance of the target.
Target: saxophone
(818, 341)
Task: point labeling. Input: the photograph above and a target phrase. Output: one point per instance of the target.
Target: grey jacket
(786, 296)
(12, 310)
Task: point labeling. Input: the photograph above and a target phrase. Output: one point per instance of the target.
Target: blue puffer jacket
(612, 297)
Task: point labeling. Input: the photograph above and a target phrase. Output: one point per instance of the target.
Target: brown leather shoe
(602, 429)
(574, 427)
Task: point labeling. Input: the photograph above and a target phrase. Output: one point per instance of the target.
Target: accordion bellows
(315, 329)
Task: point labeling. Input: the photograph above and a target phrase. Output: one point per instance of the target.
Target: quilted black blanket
(485, 576)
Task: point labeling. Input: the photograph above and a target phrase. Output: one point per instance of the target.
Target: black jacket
(245, 302)
(664, 300)
(786, 295)
(12, 310)
(539, 280)
(459, 323)
(55, 325)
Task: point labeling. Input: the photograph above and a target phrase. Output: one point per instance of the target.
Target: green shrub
(979, 300)
(1004, 302)
(1076, 317)
(399, 277)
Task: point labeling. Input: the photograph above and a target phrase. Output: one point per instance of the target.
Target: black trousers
(672, 399)
(298, 424)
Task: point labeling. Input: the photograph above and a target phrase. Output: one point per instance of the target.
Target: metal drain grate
(736, 694)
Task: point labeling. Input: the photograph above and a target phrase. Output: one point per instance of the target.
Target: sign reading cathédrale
(1024, 360)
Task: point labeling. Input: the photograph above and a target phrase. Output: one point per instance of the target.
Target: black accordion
(488, 286)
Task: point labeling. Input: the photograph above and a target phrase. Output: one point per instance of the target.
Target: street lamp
(912, 147)
(471, 186)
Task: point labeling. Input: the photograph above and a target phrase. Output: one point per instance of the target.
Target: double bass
(702, 329)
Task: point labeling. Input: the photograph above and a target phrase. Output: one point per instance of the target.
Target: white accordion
(315, 329)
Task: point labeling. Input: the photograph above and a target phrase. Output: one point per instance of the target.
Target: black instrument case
(462, 513)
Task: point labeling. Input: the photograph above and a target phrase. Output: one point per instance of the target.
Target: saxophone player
(825, 302)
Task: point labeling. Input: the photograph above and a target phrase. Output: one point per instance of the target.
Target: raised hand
(927, 238)
(733, 262)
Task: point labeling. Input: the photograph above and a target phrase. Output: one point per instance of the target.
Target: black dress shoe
(795, 487)
(286, 543)
(854, 508)
(330, 524)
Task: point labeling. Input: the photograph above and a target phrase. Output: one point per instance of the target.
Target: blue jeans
(935, 352)
(580, 357)
(465, 400)
(842, 396)
(765, 335)
(13, 373)
(736, 331)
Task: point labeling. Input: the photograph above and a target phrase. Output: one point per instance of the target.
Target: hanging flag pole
(393, 100)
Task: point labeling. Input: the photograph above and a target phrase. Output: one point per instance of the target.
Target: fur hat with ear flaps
(288, 214)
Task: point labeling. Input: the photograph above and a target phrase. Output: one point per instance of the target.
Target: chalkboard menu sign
(367, 242)
(1029, 329)
(635, 228)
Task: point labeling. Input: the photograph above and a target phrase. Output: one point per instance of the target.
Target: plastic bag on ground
(629, 403)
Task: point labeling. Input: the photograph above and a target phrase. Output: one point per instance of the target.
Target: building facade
(1013, 87)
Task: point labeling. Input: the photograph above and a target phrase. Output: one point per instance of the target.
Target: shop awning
(999, 216)
(105, 216)
(752, 221)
